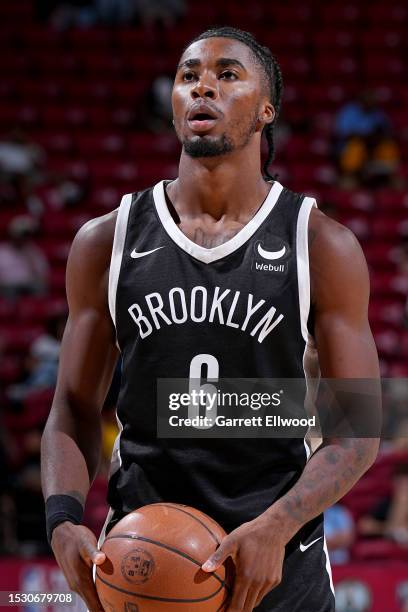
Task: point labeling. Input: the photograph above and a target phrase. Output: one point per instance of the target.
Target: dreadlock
(272, 71)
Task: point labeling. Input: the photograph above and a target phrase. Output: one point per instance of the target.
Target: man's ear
(266, 115)
(269, 113)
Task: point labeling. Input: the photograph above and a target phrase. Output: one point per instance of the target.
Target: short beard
(202, 146)
(207, 147)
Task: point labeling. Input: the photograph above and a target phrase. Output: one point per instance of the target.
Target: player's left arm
(340, 294)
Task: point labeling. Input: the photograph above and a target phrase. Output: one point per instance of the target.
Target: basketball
(153, 562)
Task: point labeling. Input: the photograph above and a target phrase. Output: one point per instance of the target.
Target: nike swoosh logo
(271, 254)
(303, 548)
(135, 255)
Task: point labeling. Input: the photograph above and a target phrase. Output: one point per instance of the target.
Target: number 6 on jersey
(195, 384)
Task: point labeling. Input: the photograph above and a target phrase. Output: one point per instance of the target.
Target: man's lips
(201, 118)
(201, 125)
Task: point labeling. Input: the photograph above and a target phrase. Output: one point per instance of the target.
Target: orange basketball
(153, 562)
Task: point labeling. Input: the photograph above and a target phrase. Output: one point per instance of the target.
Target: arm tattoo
(329, 474)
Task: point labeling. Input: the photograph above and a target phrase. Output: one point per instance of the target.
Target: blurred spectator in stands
(116, 12)
(160, 12)
(405, 317)
(42, 362)
(282, 133)
(405, 603)
(8, 195)
(159, 112)
(399, 442)
(28, 499)
(21, 162)
(62, 193)
(400, 256)
(72, 14)
(109, 423)
(403, 596)
(339, 531)
(7, 510)
(389, 518)
(365, 149)
(110, 432)
(395, 417)
(23, 267)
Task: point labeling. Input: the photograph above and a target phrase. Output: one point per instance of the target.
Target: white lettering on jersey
(140, 320)
(183, 304)
(157, 310)
(194, 317)
(250, 310)
(216, 305)
(181, 307)
(268, 326)
(269, 267)
(232, 309)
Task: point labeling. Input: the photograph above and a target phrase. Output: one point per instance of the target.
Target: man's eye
(228, 74)
(188, 76)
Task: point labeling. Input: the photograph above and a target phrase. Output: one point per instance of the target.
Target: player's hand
(75, 549)
(257, 549)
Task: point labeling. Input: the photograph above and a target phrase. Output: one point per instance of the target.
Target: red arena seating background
(79, 94)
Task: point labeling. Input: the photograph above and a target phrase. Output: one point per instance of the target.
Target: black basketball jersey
(240, 308)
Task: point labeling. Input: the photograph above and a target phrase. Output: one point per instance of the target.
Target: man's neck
(232, 188)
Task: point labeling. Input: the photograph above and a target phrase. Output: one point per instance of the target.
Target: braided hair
(271, 68)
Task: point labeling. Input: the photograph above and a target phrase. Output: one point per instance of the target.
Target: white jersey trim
(328, 566)
(302, 251)
(117, 251)
(101, 540)
(311, 368)
(222, 250)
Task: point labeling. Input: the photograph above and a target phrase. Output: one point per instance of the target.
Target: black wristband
(61, 508)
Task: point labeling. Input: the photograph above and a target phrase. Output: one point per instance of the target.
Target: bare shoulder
(332, 236)
(89, 260)
(337, 261)
(96, 236)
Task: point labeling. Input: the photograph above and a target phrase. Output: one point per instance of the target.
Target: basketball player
(176, 273)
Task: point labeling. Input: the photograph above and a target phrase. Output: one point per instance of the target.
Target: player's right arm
(71, 443)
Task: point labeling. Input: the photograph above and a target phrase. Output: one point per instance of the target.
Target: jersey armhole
(117, 251)
(303, 271)
(310, 361)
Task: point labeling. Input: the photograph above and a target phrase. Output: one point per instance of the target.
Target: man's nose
(204, 89)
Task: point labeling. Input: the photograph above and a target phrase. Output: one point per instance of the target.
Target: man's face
(218, 95)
